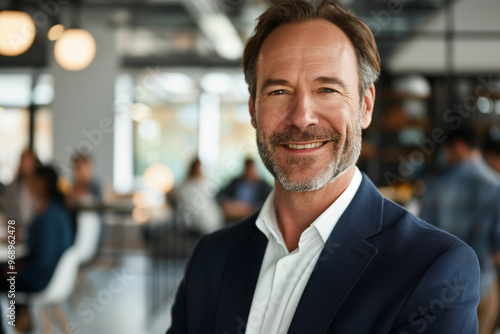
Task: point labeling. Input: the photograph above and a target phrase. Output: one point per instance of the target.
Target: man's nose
(302, 112)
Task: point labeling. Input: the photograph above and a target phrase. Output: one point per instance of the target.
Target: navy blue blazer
(382, 271)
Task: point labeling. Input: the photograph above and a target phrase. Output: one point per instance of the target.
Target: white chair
(88, 230)
(58, 290)
(67, 272)
(62, 282)
(86, 245)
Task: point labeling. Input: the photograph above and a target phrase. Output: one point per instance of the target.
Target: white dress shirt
(283, 275)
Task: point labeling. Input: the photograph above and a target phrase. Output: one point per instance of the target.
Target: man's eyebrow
(331, 80)
(272, 82)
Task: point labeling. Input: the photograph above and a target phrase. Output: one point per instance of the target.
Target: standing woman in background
(18, 202)
(194, 209)
(49, 235)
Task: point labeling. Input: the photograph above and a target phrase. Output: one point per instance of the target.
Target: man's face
(307, 111)
(83, 171)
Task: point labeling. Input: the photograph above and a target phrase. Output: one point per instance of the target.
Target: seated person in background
(86, 190)
(49, 235)
(17, 201)
(243, 195)
(197, 211)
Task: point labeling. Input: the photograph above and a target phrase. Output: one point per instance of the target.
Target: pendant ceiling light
(75, 49)
(17, 32)
(55, 32)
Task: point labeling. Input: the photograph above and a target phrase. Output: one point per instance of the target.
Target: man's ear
(251, 110)
(368, 104)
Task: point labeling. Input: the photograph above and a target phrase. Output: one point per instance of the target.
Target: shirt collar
(329, 218)
(267, 221)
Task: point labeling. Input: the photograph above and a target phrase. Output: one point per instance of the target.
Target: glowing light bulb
(18, 32)
(75, 49)
(160, 177)
(55, 32)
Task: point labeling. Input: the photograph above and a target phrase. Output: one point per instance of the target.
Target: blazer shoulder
(233, 235)
(412, 229)
(446, 281)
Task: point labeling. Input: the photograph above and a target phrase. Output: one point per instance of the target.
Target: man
(243, 195)
(86, 189)
(327, 253)
(465, 201)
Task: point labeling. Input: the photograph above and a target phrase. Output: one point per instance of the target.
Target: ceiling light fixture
(76, 48)
(55, 32)
(224, 37)
(18, 32)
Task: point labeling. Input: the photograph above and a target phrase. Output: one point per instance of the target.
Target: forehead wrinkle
(305, 51)
(319, 48)
(305, 60)
(284, 67)
(318, 63)
(279, 56)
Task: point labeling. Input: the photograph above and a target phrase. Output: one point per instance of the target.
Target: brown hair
(296, 11)
(80, 158)
(192, 168)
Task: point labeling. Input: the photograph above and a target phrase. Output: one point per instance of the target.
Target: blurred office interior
(145, 86)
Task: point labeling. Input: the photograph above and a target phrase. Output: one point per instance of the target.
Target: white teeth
(304, 147)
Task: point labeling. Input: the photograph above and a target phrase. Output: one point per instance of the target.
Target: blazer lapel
(239, 284)
(341, 263)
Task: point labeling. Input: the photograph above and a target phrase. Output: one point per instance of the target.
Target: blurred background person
(18, 202)
(243, 195)
(492, 154)
(86, 190)
(49, 235)
(195, 208)
(465, 201)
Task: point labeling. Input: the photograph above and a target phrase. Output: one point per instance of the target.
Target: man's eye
(277, 92)
(328, 90)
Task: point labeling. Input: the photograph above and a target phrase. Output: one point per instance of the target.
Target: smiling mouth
(305, 146)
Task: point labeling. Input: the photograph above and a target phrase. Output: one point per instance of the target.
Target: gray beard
(342, 158)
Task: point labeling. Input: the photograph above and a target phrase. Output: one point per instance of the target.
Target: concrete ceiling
(474, 41)
(411, 37)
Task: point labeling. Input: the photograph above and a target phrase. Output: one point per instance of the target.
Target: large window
(17, 93)
(178, 116)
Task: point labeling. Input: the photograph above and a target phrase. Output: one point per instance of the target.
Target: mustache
(293, 134)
